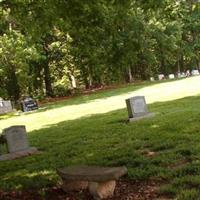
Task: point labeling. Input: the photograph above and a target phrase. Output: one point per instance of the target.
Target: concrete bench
(101, 181)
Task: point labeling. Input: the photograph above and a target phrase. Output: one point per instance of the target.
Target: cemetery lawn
(164, 149)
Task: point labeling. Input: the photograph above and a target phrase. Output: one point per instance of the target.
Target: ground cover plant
(163, 149)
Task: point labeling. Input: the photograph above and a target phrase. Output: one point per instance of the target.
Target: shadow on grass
(107, 140)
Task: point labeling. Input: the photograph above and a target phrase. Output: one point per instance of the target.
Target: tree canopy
(52, 48)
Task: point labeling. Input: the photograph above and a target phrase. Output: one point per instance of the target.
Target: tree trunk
(47, 80)
(13, 88)
(182, 63)
(198, 61)
(130, 75)
(47, 76)
(72, 80)
(162, 62)
(87, 78)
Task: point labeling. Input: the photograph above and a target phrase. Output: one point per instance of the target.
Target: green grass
(96, 133)
(103, 102)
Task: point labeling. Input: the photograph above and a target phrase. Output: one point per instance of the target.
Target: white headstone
(161, 77)
(152, 79)
(182, 75)
(5, 106)
(171, 76)
(195, 72)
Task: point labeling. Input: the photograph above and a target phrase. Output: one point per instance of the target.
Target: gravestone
(195, 72)
(152, 79)
(161, 77)
(182, 75)
(16, 140)
(171, 76)
(5, 106)
(29, 104)
(137, 108)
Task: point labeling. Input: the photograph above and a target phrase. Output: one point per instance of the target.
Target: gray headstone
(5, 106)
(136, 106)
(16, 138)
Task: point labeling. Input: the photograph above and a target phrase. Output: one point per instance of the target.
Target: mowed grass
(103, 102)
(165, 148)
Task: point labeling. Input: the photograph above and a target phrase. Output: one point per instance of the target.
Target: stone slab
(16, 138)
(136, 106)
(91, 173)
(148, 115)
(19, 154)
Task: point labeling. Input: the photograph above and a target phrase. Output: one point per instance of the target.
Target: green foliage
(94, 43)
(189, 195)
(15, 55)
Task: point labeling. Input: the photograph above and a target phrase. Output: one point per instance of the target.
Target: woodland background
(54, 48)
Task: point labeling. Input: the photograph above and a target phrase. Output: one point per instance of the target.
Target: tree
(15, 54)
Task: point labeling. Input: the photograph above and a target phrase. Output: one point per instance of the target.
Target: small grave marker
(137, 108)
(29, 104)
(5, 106)
(195, 72)
(183, 75)
(152, 79)
(15, 137)
(161, 77)
(171, 76)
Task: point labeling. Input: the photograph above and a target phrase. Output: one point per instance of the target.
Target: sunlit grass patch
(106, 139)
(107, 101)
